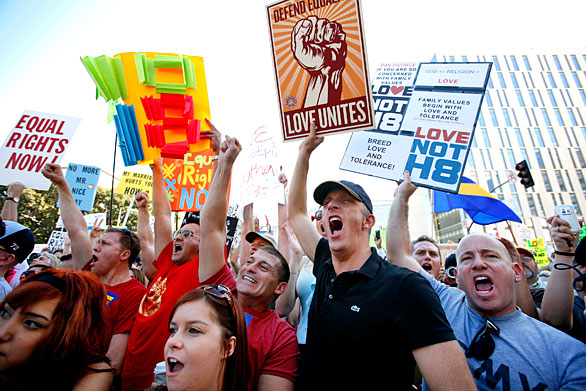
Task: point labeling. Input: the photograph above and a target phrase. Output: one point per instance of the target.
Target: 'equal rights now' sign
(36, 139)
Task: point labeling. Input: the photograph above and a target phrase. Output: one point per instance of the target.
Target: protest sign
(261, 177)
(132, 183)
(321, 71)
(430, 135)
(382, 152)
(36, 139)
(537, 247)
(83, 182)
(91, 218)
(187, 180)
(56, 240)
(161, 102)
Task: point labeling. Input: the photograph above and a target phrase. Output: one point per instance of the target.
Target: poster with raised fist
(320, 64)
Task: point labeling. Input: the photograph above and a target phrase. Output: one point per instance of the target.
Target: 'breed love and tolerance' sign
(36, 139)
(425, 119)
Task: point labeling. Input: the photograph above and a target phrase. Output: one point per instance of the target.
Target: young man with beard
(172, 274)
(263, 276)
(506, 349)
(369, 321)
(110, 259)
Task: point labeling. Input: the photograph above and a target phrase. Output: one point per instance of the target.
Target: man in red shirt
(110, 259)
(172, 274)
(272, 343)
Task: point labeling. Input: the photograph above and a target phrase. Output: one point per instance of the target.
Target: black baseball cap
(354, 189)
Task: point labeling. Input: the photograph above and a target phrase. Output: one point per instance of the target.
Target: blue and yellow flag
(482, 207)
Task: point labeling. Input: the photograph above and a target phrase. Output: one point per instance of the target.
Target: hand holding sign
(54, 173)
(319, 46)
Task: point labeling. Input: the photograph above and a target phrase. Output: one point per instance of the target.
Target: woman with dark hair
(54, 333)
(207, 348)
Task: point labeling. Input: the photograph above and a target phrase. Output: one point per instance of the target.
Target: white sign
(442, 125)
(261, 178)
(56, 240)
(383, 153)
(462, 75)
(92, 218)
(36, 139)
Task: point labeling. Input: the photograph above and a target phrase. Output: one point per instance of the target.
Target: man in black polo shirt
(369, 321)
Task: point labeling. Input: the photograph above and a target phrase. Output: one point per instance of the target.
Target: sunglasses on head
(318, 215)
(184, 232)
(220, 292)
(482, 346)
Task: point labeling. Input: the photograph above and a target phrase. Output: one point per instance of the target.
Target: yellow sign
(537, 247)
(132, 183)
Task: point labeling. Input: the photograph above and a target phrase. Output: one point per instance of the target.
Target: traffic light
(524, 174)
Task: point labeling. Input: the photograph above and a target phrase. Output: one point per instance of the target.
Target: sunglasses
(220, 292)
(184, 232)
(482, 346)
(127, 232)
(30, 272)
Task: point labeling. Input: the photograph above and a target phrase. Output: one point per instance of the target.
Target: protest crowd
(309, 304)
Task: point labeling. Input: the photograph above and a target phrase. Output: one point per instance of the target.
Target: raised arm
(10, 207)
(73, 220)
(213, 214)
(558, 299)
(398, 246)
(246, 226)
(161, 209)
(306, 234)
(145, 234)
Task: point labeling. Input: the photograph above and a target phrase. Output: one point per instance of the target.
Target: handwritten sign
(36, 139)
(537, 246)
(83, 182)
(132, 183)
(187, 180)
(261, 178)
(56, 240)
(319, 56)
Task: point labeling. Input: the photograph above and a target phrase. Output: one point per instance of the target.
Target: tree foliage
(38, 210)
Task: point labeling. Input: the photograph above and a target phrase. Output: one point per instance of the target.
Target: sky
(42, 41)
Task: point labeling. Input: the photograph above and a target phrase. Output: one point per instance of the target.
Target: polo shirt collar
(368, 269)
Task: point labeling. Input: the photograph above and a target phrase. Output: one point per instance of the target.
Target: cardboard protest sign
(537, 247)
(161, 102)
(436, 128)
(132, 183)
(187, 180)
(319, 57)
(382, 152)
(91, 218)
(36, 139)
(261, 177)
(83, 182)
(56, 240)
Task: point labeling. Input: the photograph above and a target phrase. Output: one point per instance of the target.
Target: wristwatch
(15, 199)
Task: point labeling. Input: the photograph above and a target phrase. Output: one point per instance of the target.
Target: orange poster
(321, 69)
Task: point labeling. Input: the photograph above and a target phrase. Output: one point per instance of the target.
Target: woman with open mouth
(207, 349)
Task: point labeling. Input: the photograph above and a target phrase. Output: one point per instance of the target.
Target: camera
(568, 213)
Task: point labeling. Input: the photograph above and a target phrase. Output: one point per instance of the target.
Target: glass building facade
(534, 110)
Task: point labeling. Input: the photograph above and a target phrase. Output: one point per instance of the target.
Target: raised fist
(319, 46)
